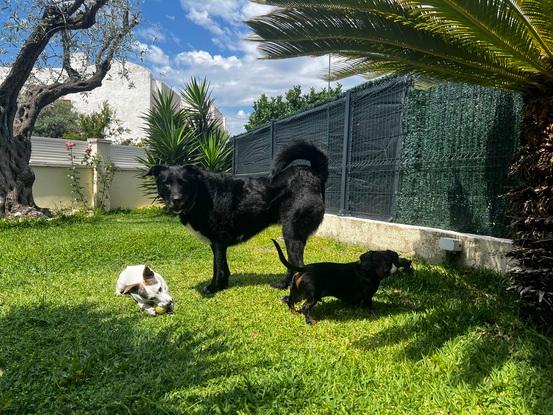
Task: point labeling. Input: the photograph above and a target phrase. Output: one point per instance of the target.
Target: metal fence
(435, 157)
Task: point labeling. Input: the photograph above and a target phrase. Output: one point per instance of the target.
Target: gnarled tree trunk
(16, 179)
(531, 209)
(19, 107)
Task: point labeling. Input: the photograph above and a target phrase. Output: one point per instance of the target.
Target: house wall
(131, 98)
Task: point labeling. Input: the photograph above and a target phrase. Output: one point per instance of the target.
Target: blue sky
(205, 38)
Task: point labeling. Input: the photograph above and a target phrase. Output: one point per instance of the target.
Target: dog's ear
(191, 171)
(155, 170)
(367, 260)
(148, 276)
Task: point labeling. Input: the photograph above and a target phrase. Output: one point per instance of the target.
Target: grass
(440, 341)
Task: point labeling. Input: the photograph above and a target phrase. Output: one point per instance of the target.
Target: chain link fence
(434, 157)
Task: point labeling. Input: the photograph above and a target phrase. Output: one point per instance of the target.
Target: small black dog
(224, 210)
(353, 282)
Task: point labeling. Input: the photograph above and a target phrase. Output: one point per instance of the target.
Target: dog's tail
(284, 260)
(302, 150)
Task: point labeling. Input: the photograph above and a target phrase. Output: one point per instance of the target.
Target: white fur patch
(393, 269)
(197, 234)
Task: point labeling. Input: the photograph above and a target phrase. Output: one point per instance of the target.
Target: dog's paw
(285, 299)
(208, 292)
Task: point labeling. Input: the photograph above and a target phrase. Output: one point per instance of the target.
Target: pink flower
(88, 150)
(70, 144)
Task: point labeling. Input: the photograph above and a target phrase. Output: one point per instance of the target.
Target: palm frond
(496, 24)
(299, 32)
(539, 15)
(488, 42)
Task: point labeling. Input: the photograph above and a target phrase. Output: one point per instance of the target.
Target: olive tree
(51, 48)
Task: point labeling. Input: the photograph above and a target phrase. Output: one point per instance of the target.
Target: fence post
(345, 155)
(233, 168)
(100, 148)
(272, 132)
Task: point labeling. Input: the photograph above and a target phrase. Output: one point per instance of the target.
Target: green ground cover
(440, 341)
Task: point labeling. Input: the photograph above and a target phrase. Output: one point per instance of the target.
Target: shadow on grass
(336, 310)
(468, 310)
(61, 359)
(248, 279)
(245, 280)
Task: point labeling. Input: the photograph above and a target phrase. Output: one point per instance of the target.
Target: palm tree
(494, 43)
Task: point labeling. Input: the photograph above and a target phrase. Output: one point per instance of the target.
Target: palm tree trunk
(531, 210)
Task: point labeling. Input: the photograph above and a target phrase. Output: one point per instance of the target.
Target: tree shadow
(77, 359)
(465, 312)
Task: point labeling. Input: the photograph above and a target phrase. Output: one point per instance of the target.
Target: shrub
(57, 120)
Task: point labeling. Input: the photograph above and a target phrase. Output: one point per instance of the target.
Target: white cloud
(223, 18)
(238, 81)
(201, 58)
(152, 54)
(228, 10)
(236, 75)
(152, 34)
(201, 18)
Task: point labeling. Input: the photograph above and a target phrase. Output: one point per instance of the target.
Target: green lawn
(440, 341)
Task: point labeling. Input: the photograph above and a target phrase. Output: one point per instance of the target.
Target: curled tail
(284, 260)
(302, 150)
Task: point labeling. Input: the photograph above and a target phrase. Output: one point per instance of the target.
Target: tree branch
(66, 59)
(40, 96)
(53, 21)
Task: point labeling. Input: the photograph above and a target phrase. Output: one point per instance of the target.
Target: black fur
(353, 282)
(227, 210)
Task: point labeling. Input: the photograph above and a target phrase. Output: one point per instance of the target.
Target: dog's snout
(176, 200)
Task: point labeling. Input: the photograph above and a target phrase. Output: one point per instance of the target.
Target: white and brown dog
(146, 287)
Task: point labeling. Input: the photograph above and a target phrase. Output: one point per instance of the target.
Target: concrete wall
(52, 189)
(478, 251)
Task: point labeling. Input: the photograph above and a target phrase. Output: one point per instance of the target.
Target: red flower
(70, 144)
(88, 150)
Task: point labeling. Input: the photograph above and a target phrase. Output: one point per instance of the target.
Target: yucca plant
(494, 43)
(190, 134)
(199, 106)
(168, 139)
(215, 151)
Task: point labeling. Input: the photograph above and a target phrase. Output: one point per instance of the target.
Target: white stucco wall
(52, 188)
(131, 100)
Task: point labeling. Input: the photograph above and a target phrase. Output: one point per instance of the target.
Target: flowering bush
(75, 177)
(104, 172)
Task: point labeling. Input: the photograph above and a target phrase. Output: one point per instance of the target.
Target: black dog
(353, 282)
(226, 210)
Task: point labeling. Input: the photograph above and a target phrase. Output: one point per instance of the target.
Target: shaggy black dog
(353, 282)
(226, 210)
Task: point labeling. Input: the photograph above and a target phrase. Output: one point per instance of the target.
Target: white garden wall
(52, 189)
